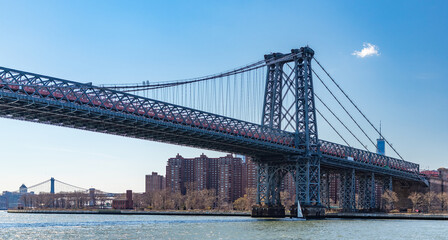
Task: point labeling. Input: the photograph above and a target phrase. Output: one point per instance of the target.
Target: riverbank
(410, 216)
(132, 212)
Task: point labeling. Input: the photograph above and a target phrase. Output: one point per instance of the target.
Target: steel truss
(306, 175)
(388, 183)
(325, 188)
(348, 190)
(366, 194)
(299, 115)
(296, 83)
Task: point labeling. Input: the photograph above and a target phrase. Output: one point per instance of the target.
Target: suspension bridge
(53, 193)
(222, 112)
(53, 186)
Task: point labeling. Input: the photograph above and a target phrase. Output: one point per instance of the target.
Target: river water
(55, 226)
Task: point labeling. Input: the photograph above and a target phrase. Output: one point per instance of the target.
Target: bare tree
(416, 199)
(286, 199)
(138, 200)
(241, 203)
(428, 200)
(389, 198)
(191, 197)
(207, 198)
(443, 198)
(177, 201)
(251, 194)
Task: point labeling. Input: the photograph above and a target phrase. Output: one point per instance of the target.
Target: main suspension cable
(362, 130)
(39, 184)
(332, 127)
(240, 70)
(73, 186)
(318, 98)
(373, 126)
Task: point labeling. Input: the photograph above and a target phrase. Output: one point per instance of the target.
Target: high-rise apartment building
(200, 169)
(226, 175)
(154, 182)
(249, 178)
(174, 174)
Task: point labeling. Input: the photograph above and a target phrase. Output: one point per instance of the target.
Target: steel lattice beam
(37, 98)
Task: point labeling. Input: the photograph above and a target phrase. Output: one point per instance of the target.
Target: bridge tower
(289, 105)
(52, 185)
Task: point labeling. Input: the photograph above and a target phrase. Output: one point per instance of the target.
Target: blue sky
(130, 41)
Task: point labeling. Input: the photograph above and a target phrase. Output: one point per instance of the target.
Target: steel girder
(325, 188)
(306, 175)
(269, 179)
(307, 181)
(348, 190)
(387, 183)
(42, 87)
(272, 108)
(366, 194)
(358, 155)
(81, 117)
(305, 112)
(300, 115)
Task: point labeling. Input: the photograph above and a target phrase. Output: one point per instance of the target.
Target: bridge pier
(348, 191)
(325, 188)
(306, 175)
(366, 195)
(388, 184)
(270, 176)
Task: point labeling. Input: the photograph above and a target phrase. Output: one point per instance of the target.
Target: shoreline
(392, 216)
(132, 212)
(402, 216)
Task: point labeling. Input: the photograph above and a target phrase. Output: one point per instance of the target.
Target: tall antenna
(380, 143)
(381, 135)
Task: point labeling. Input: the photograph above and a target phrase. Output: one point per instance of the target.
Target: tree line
(420, 202)
(207, 199)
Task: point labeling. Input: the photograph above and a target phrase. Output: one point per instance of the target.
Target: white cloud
(368, 50)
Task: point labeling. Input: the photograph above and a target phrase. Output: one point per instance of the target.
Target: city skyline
(395, 78)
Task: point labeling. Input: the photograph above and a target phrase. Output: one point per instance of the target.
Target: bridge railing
(50, 88)
(358, 155)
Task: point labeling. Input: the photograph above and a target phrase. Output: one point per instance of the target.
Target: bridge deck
(43, 99)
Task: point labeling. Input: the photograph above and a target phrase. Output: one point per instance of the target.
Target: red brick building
(438, 180)
(127, 203)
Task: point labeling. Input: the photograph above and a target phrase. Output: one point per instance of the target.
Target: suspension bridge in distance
(211, 113)
(53, 186)
(55, 194)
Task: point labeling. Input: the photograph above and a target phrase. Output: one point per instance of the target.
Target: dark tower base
(309, 212)
(268, 211)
